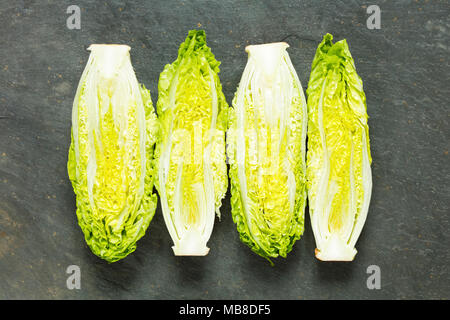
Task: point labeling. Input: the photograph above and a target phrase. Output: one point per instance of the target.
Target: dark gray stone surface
(405, 69)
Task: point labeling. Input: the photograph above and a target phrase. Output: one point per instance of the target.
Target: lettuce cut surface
(266, 151)
(191, 159)
(338, 159)
(111, 164)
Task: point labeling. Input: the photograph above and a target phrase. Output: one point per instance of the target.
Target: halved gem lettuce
(266, 151)
(111, 165)
(338, 159)
(192, 171)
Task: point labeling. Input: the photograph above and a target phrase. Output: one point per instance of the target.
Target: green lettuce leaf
(111, 164)
(338, 159)
(191, 160)
(266, 150)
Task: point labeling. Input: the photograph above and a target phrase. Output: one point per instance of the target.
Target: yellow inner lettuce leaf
(191, 122)
(265, 172)
(116, 185)
(343, 141)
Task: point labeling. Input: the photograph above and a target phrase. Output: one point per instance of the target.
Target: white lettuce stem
(335, 248)
(192, 243)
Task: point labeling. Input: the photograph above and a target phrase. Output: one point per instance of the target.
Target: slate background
(405, 69)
